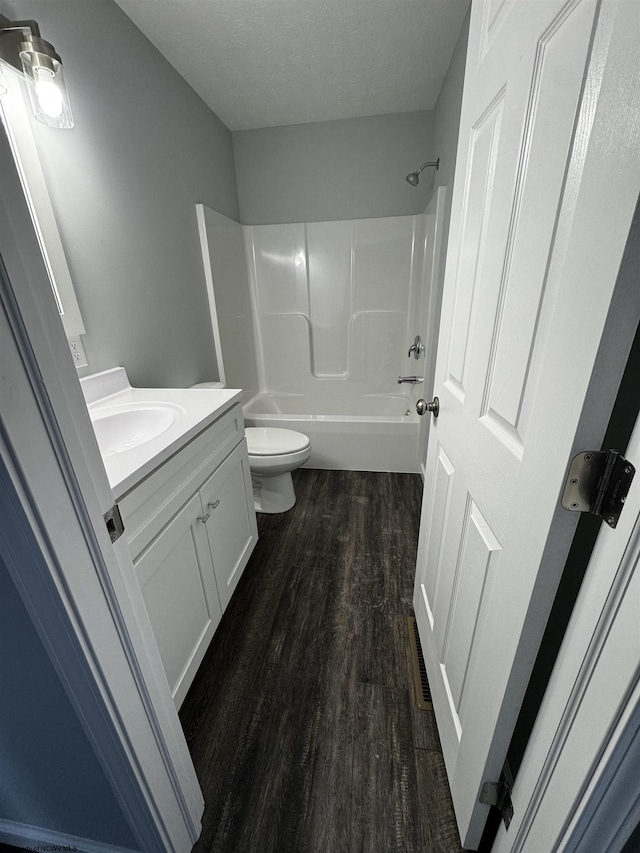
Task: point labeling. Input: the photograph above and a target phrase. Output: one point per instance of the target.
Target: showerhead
(414, 177)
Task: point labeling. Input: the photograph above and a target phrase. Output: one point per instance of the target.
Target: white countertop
(193, 409)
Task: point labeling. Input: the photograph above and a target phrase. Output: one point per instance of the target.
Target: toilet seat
(273, 454)
(271, 441)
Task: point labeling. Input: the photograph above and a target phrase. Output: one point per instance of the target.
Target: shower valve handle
(417, 347)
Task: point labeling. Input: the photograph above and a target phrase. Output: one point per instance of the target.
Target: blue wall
(447, 120)
(50, 775)
(347, 169)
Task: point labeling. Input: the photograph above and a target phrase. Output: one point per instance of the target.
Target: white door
(546, 182)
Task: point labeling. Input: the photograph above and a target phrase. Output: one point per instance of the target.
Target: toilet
(273, 454)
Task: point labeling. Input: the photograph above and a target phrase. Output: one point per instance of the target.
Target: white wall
(225, 265)
(331, 307)
(336, 302)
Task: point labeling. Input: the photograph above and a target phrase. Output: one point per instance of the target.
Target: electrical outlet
(77, 351)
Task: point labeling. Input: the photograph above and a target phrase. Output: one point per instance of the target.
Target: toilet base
(273, 494)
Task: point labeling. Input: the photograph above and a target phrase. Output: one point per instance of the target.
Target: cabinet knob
(213, 505)
(204, 518)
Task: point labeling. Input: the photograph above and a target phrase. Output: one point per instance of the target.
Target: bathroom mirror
(17, 122)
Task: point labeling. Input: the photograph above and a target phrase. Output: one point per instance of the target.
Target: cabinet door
(232, 527)
(178, 585)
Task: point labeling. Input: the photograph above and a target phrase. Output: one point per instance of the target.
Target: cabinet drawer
(151, 504)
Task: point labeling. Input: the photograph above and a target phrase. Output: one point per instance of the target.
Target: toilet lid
(270, 441)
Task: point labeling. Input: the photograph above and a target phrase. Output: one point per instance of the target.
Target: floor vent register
(422, 690)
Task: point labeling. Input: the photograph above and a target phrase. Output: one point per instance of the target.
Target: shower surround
(335, 306)
(333, 302)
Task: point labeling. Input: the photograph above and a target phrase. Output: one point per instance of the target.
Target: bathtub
(369, 432)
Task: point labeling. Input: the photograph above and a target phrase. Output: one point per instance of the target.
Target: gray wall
(50, 775)
(447, 121)
(347, 169)
(124, 182)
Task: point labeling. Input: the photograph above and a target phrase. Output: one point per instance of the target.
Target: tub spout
(412, 380)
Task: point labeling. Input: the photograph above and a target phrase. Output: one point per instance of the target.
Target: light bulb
(49, 98)
(45, 81)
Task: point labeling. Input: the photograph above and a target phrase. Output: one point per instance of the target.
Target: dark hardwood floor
(301, 721)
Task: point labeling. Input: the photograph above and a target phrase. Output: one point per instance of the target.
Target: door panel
(483, 150)
(547, 132)
(440, 505)
(232, 528)
(508, 322)
(179, 591)
(478, 548)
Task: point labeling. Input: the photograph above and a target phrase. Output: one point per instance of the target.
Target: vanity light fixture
(23, 50)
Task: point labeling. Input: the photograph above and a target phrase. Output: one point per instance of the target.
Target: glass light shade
(45, 82)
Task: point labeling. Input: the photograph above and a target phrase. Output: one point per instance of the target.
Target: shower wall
(337, 303)
(225, 272)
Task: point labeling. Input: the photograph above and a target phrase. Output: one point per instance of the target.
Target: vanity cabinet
(191, 528)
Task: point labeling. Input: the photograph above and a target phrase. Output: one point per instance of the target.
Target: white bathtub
(370, 432)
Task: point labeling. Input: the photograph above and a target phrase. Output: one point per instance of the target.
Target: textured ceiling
(261, 63)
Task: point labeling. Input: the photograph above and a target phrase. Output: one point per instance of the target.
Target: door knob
(434, 407)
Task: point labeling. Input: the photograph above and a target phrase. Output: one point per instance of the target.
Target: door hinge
(498, 795)
(598, 482)
(114, 523)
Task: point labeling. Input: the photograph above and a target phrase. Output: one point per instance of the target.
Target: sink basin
(138, 429)
(120, 428)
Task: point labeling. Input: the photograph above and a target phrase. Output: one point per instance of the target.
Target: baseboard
(37, 838)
